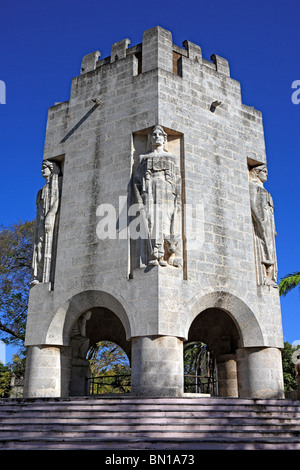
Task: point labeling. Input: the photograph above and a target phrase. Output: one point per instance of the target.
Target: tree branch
(11, 332)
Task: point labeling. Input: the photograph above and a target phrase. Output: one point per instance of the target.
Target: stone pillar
(260, 373)
(47, 372)
(79, 377)
(157, 366)
(227, 375)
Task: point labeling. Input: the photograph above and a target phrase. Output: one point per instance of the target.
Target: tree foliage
(110, 362)
(15, 276)
(289, 374)
(289, 282)
(5, 378)
(199, 367)
(106, 357)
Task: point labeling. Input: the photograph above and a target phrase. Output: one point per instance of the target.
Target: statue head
(259, 174)
(49, 168)
(157, 137)
(87, 315)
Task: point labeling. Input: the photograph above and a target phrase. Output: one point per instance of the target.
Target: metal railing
(109, 384)
(122, 384)
(200, 384)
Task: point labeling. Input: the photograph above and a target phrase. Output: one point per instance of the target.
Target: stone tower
(154, 227)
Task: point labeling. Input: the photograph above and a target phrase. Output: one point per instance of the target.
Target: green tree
(286, 284)
(15, 276)
(5, 377)
(289, 376)
(109, 361)
(16, 246)
(289, 282)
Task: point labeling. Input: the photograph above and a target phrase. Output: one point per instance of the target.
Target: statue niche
(262, 209)
(46, 224)
(157, 190)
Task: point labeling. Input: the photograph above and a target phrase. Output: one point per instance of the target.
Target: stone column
(47, 372)
(157, 366)
(260, 373)
(79, 377)
(227, 375)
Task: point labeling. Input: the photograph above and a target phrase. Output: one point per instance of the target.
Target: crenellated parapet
(157, 62)
(156, 51)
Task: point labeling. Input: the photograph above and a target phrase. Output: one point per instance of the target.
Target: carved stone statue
(80, 343)
(262, 209)
(157, 188)
(45, 235)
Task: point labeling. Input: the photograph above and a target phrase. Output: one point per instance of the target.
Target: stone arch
(67, 315)
(105, 325)
(243, 317)
(217, 330)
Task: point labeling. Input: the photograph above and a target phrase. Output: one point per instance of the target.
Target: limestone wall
(94, 138)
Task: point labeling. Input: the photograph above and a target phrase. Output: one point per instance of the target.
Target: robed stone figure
(46, 225)
(262, 209)
(157, 189)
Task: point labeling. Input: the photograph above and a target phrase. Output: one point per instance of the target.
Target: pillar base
(227, 375)
(47, 372)
(260, 373)
(157, 366)
(80, 374)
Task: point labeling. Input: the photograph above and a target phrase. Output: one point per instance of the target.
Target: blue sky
(42, 44)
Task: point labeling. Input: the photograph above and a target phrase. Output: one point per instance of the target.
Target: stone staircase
(132, 423)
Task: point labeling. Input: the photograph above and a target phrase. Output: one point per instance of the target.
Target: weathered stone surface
(260, 373)
(97, 137)
(157, 366)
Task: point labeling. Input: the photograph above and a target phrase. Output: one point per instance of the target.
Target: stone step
(149, 408)
(145, 443)
(153, 431)
(155, 413)
(147, 430)
(146, 408)
(149, 423)
(137, 401)
(154, 420)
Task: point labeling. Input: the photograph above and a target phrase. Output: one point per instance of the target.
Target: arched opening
(110, 369)
(199, 368)
(97, 333)
(216, 329)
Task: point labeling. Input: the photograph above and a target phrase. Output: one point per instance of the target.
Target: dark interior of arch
(217, 329)
(104, 325)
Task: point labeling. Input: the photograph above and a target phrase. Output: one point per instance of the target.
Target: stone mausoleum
(154, 227)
